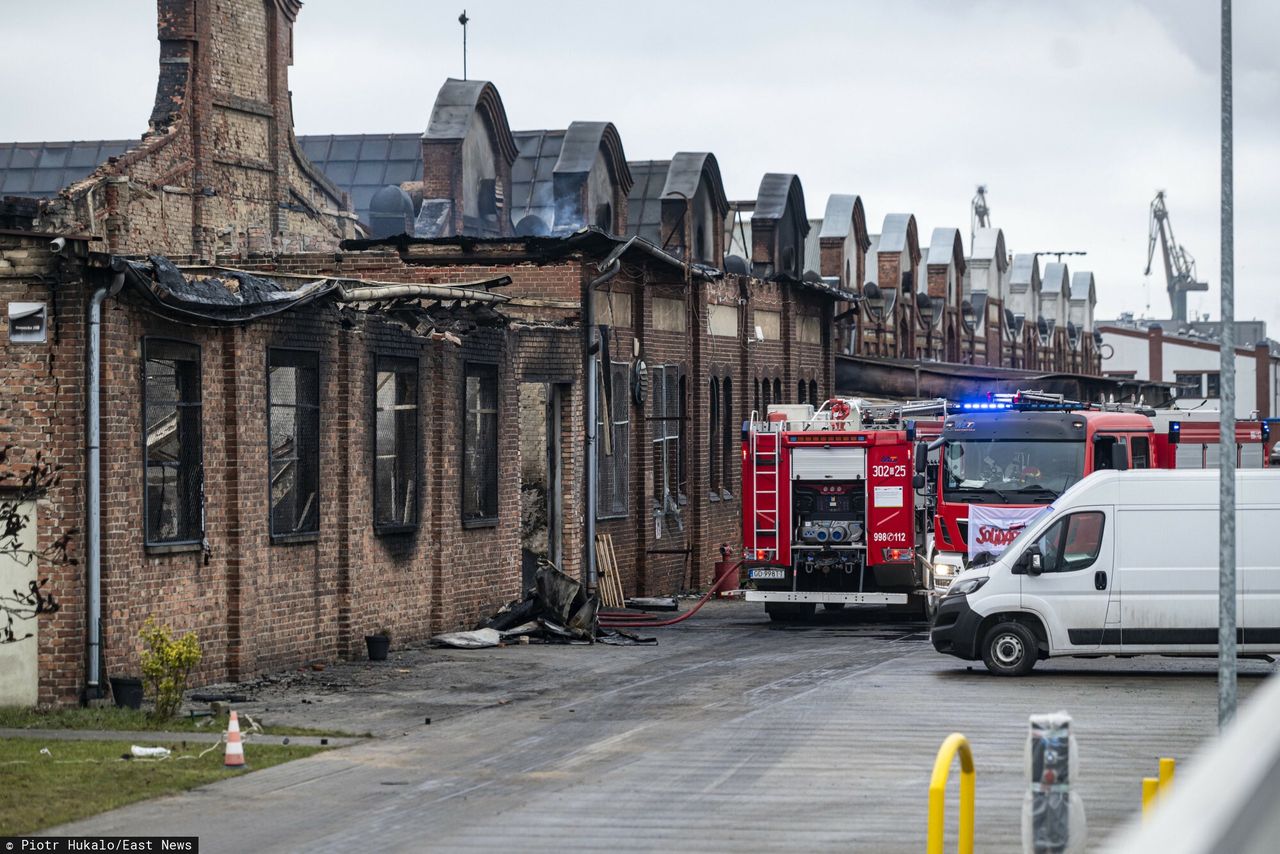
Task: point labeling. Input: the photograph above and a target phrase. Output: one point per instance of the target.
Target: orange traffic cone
(235, 750)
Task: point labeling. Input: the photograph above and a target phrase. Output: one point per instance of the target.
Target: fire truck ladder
(765, 488)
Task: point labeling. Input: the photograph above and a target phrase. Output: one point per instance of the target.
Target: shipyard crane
(981, 214)
(1179, 266)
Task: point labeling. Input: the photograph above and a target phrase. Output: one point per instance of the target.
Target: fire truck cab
(1001, 462)
(832, 514)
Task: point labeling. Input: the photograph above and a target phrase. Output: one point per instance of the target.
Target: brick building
(308, 434)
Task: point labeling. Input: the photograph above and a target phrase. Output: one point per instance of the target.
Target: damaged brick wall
(219, 171)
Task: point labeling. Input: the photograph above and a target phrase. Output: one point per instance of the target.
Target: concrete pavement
(731, 735)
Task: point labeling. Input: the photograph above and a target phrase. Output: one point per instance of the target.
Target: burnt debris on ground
(557, 609)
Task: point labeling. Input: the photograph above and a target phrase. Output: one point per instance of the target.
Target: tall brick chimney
(219, 170)
(224, 69)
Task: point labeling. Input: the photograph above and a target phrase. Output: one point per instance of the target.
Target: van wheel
(833, 606)
(790, 612)
(1010, 649)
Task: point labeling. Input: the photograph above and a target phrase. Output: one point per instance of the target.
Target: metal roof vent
(391, 212)
(532, 225)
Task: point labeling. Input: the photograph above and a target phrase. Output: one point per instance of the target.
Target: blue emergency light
(1175, 432)
(1003, 401)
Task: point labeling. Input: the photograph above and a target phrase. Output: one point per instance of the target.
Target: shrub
(167, 664)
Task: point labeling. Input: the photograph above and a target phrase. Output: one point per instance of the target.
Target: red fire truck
(1000, 461)
(832, 512)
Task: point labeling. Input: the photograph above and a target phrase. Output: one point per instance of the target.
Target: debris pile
(556, 609)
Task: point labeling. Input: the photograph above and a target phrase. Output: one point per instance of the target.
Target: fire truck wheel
(926, 606)
(1010, 649)
(790, 612)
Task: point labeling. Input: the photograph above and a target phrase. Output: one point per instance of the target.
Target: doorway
(541, 487)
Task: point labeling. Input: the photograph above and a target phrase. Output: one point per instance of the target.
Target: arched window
(777, 390)
(755, 401)
(801, 397)
(813, 392)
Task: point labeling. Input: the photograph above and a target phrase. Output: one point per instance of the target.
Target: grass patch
(83, 778)
(117, 719)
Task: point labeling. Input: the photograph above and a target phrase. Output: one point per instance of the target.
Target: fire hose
(627, 620)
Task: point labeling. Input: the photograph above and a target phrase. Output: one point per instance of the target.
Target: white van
(1123, 563)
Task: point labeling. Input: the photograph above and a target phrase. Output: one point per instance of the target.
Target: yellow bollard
(955, 743)
(1150, 789)
(1166, 776)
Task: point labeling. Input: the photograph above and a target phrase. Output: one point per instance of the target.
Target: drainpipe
(93, 474)
(610, 268)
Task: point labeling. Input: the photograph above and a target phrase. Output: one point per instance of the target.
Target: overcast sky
(1072, 112)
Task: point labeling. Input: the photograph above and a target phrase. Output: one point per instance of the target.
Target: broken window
(613, 449)
(293, 436)
(395, 444)
(480, 446)
(666, 419)
(173, 500)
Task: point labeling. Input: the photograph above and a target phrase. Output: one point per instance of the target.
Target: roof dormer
(778, 228)
(467, 153)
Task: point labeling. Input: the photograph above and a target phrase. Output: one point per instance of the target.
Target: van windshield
(1010, 471)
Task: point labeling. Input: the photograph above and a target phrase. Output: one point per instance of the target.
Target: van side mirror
(922, 457)
(1030, 562)
(1120, 456)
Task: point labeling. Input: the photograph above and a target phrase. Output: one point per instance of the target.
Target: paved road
(731, 735)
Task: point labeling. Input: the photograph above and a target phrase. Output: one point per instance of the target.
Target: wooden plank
(617, 576)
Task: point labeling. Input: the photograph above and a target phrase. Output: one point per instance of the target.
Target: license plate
(767, 574)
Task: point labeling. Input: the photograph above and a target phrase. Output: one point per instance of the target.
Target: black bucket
(127, 691)
(378, 646)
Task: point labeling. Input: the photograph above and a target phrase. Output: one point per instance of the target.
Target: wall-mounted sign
(27, 323)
